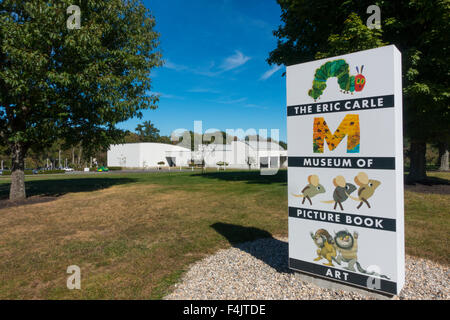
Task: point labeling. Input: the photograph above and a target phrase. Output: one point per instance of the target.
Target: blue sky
(216, 70)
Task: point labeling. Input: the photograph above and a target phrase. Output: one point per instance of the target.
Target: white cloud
(202, 90)
(228, 101)
(167, 96)
(266, 75)
(255, 106)
(232, 62)
(236, 60)
(177, 67)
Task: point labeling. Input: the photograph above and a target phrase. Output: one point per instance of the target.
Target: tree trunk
(73, 156)
(417, 170)
(443, 157)
(17, 189)
(80, 150)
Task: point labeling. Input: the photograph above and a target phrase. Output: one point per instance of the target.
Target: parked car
(68, 169)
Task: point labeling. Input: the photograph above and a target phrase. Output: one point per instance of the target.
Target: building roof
(216, 147)
(165, 146)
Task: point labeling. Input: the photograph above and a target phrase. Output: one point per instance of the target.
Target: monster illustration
(339, 69)
(341, 192)
(311, 190)
(366, 189)
(346, 245)
(324, 243)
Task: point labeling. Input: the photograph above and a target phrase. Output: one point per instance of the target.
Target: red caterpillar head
(360, 80)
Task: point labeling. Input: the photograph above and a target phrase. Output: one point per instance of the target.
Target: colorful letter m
(349, 127)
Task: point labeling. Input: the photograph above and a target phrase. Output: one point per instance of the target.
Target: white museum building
(237, 154)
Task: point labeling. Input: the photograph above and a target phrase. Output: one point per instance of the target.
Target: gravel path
(258, 270)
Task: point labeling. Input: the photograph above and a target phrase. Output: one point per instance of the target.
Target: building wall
(212, 154)
(124, 155)
(181, 157)
(152, 153)
(236, 154)
(241, 153)
(142, 155)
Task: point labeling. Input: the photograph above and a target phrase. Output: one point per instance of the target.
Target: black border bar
(313, 108)
(381, 163)
(356, 279)
(388, 223)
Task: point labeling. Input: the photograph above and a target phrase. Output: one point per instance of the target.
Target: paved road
(133, 171)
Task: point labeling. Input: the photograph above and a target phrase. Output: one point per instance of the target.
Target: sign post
(345, 169)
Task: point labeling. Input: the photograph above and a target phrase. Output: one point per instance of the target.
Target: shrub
(192, 163)
(50, 171)
(28, 172)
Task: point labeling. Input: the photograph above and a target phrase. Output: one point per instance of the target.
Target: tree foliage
(355, 36)
(147, 132)
(75, 85)
(418, 28)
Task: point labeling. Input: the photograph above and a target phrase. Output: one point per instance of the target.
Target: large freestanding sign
(345, 175)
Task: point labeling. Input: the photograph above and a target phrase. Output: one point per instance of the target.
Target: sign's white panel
(345, 176)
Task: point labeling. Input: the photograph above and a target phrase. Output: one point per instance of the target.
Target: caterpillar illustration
(340, 70)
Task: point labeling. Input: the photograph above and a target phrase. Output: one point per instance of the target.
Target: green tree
(217, 137)
(283, 144)
(147, 132)
(131, 137)
(214, 137)
(355, 36)
(72, 84)
(419, 29)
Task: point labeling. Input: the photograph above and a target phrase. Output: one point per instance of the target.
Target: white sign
(345, 169)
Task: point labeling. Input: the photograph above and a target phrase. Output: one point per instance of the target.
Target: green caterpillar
(340, 70)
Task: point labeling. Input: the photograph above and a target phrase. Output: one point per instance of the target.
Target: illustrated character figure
(366, 189)
(339, 69)
(347, 248)
(360, 80)
(311, 190)
(341, 192)
(324, 243)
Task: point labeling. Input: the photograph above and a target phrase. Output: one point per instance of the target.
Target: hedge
(8, 172)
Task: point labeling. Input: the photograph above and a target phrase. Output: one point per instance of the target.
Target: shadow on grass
(432, 185)
(248, 176)
(257, 242)
(429, 181)
(57, 187)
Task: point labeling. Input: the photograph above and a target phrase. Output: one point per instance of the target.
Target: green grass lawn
(133, 235)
